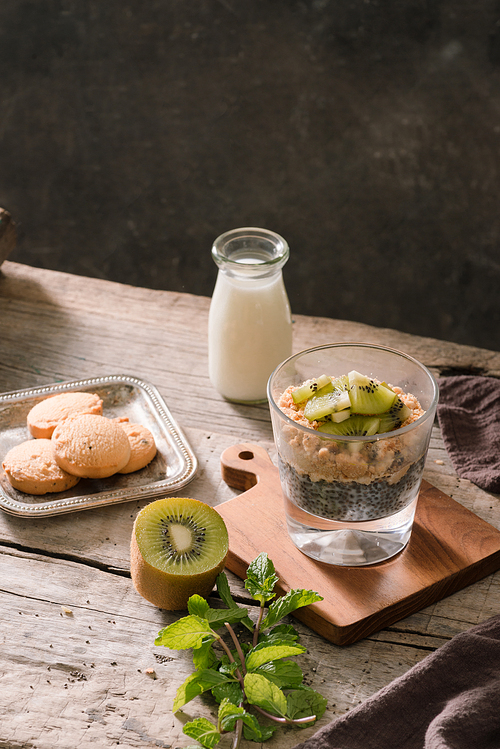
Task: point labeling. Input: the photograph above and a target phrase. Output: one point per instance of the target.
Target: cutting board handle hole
(246, 455)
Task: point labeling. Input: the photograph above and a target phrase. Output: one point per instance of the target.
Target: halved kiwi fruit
(177, 549)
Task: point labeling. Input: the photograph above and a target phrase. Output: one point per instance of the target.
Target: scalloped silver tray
(173, 467)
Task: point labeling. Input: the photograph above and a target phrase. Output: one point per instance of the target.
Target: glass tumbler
(351, 500)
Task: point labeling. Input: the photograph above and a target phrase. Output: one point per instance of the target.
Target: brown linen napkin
(450, 700)
(469, 417)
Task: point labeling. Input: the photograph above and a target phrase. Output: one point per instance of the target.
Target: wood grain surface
(79, 679)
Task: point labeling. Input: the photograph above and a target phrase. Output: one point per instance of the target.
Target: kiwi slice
(341, 383)
(339, 416)
(394, 417)
(177, 549)
(355, 426)
(308, 388)
(367, 396)
(324, 403)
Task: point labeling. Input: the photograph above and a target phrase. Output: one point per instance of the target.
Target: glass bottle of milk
(250, 323)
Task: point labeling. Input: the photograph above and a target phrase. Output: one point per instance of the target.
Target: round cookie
(142, 447)
(90, 446)
(32, 469)
(44, 417)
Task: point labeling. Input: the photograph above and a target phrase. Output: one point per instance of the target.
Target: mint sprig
(251, 678)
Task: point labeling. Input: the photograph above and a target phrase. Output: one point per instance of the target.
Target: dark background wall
(367, 132)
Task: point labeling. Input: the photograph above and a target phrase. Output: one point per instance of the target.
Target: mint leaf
(293, 600)
(285, 674)
(253, 731)
(197, 683)
(304, 702)
(187, 691)
(263, 693)
(231, 691)
(225, 594)
(261, 655)
(188, 632)
(261, 579)
(229, 667)
(224, 591)
(203, 731)
(251, 723)
(280, 633)
(210, 678)
(197, 606)
(229, 714)
(218, 617)
(204, 656)
(222, 584)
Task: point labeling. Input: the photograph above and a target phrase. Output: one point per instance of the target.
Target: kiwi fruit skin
(172, 590)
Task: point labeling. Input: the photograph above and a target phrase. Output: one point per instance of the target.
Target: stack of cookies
(73, 440)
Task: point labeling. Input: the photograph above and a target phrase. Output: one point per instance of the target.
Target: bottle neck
(250, 253)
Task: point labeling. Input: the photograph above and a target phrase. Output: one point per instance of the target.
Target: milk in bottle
(250, 324)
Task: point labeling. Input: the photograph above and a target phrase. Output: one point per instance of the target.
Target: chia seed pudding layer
(350, 501)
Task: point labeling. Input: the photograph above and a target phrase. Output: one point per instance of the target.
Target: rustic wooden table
(81, 678)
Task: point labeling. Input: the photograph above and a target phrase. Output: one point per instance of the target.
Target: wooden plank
(450, 548)
(79, 678)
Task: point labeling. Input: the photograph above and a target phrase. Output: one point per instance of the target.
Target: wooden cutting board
(450, 548)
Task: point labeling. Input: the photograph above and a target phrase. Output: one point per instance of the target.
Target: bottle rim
(250, 251)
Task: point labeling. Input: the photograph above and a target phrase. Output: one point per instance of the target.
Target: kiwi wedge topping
(367, 396)
(308, 388)
(355, 426)
(177, 549)
(394, 417)
(352, 405)
(327, 401)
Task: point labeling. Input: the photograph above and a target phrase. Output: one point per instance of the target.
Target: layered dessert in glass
(352, 424)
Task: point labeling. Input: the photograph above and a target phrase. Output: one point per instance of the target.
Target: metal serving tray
(173, 467)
